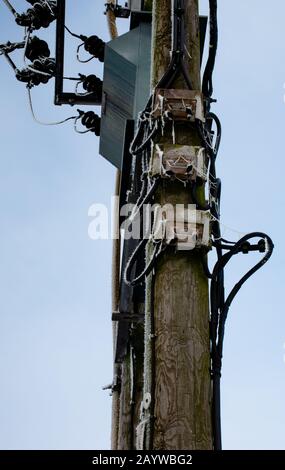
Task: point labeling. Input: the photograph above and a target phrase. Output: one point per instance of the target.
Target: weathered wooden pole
(182, 386)
(176, 372)
(111, 20)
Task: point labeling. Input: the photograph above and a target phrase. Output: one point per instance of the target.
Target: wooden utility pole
(173, 365)
(182, 386)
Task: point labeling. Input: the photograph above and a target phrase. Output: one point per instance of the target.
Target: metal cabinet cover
(126, 88)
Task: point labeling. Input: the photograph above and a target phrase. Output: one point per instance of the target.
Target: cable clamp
(186, 229)
(180, 105)
(119, 11)
(181, 162)
(115, 386)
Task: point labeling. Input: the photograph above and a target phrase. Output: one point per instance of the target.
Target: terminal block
(183, 162)
(182, 105)
(186, 229)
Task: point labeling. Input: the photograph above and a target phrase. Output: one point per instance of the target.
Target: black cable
(204, 260)
(95, 47)
(143, 191)
(148, 268)
(78, 36)
(207, 86)
(216, 146)
(177, 64)
(219, 313)
(147, 141)
(143, 199)
(150, 193)
(207, 135)
(92, 44)
(42, 122)
(227, 241)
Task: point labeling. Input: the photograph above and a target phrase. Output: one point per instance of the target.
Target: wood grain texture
(138, 341)
(116, 254)
(182, 393)
(125, 418)
(182, 351)
(130, 400)
(161, 39)
(192, 41)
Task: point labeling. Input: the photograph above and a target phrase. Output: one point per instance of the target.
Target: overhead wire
(133, 258)
(43, 123)
(11, 8)
(73, 34)
(78, 56)
(219, 311)
(207, 86)
(93, 45)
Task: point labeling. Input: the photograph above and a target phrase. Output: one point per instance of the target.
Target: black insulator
(30, 77)
(46, 65)
(24, 75)
(95, 46)
(92, 84)
(46, 70)
(91, 121)
(39, 16)
(262, 245)
(37, 48)
(245, 248)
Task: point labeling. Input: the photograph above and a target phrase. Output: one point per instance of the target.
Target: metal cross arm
(61, 96)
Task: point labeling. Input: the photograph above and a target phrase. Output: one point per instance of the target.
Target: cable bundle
(149, 127)
(40, 72)
(220, 307)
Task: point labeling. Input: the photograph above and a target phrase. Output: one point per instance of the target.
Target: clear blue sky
(55, 329)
